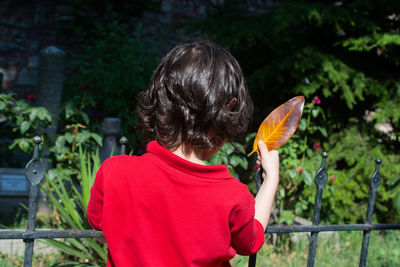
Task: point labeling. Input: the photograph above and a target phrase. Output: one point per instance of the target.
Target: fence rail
(45, 234)
(34, 172)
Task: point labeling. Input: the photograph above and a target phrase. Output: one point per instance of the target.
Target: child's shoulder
(118, 159)
(126, 160)
(240, 189)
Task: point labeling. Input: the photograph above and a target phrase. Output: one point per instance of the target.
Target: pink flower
(332, 178)
(299, 170)
(316, 100)
(316, 146)
(31, 98)
(85, 87)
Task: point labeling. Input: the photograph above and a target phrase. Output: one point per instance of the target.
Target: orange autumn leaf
(280, 124)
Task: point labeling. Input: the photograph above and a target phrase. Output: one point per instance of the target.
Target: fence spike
(34, 172)
(374, 183)
(123, 141)
(320, 180)
(37, 140)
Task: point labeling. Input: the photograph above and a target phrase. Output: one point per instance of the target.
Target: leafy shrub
(75, 160)
(75, 130)
(24, 120)
(350, 166)
(68, 193)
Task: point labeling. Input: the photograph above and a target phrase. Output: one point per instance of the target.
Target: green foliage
(24, 119)
(233, 155)
(68, 192)
(336, 78)
(373, 41)
(299, 161)
(350, 166)
(75, 157)
(65, 146)
(75, 129)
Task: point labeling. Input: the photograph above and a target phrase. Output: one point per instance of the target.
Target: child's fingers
(269, 160)
(262, 147)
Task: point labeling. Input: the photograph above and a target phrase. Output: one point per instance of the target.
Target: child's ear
(232, 103)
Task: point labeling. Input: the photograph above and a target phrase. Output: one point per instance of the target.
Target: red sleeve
(247, 233)
(95, 206)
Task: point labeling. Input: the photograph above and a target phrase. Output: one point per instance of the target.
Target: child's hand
(265, 196)
(269, 161)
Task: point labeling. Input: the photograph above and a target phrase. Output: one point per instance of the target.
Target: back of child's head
(197, 98)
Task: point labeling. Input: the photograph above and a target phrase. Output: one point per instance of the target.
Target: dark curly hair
(197, 97)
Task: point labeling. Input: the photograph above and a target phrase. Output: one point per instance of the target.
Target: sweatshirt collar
(206, 171)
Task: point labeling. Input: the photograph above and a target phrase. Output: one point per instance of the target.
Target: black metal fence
(34, 172)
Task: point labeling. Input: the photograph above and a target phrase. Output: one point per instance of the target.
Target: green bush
(24, 120)
(68, 192)
(350, 166)
(75, 161)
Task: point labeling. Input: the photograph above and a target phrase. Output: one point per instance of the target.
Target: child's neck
(192, 157)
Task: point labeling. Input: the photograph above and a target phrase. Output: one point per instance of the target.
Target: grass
(342, 249)
(38, 260)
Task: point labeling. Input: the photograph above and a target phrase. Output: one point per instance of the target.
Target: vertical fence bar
(123, 141)
(375, 182)
(252, 260)
(259, 181)
(34, 172)
(320, 180)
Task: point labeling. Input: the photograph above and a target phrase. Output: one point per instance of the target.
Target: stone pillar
(110, 128)
(51, 79)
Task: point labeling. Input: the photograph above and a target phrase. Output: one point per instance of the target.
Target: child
(166, 207)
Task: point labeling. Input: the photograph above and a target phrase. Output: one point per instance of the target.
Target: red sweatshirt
(161, 210)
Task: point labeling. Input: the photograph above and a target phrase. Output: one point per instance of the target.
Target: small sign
(13, 182)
